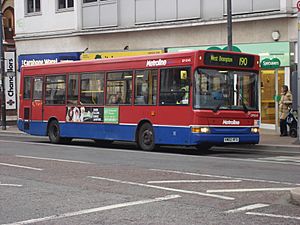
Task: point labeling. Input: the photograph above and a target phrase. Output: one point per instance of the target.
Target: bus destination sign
(230, 60)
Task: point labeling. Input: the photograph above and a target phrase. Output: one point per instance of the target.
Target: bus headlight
(204, 130)
(255, 130)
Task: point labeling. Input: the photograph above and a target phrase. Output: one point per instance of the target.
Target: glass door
(268, 94)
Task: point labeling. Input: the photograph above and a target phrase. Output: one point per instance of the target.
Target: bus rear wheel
(54, 134)
(146, 137)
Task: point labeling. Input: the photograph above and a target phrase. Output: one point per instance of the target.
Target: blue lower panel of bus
(163, 134)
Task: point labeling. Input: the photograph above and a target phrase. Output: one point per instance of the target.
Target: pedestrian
(284, 107)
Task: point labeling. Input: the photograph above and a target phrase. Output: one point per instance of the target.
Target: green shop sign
(270, 63)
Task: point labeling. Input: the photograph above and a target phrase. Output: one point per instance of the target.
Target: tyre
(146, 137)
(293, 132)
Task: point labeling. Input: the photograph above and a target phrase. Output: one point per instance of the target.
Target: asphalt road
(80, 183)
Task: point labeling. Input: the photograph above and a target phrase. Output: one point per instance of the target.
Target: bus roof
(191, 54)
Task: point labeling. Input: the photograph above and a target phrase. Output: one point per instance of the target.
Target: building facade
(9, 72)
(50, 31)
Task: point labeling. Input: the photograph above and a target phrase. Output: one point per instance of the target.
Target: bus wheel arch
(145, 135)
(53, 131)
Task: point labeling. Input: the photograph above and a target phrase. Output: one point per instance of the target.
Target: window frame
(65, 89)
(68, 101)
(153, 93)
(66, 9)
(107, 98)
(41, 95)
(189, 80)
(34, 12)
(98, 73)
(30, 87)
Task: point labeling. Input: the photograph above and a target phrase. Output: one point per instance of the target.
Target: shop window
(27, 88)
(65, 4)
(88, 1)
(73, 89)
(119, 88)
(38, 88)
(33, 6)
(145, 87)
(55, 90)
(92, 89)
(174, 86)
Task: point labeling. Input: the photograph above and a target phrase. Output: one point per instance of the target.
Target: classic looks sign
(10, 80)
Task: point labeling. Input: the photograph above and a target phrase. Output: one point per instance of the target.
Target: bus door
(37, 100)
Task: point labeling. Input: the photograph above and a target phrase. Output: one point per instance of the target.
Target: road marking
(11, 185)
(283, 159)
(273, 215)
(247, 208)
(225, 177)
(163, 188)
(192, 181)
(249, 190)
(52, 159)
(18, 166)
(94, 210)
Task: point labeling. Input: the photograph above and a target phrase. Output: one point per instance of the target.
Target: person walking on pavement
(284, 106)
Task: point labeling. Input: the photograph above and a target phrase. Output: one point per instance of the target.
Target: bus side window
(72, 97)
(38, 88)
(27, 88)
(174, 86)
(55, 90)
(119, 88)
(145, 87)
(92, 89)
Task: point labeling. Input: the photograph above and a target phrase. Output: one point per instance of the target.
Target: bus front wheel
(146, 137)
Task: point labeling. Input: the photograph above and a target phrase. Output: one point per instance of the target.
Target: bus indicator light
(204, 130)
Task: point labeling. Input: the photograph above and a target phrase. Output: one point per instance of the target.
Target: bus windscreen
(228, 90)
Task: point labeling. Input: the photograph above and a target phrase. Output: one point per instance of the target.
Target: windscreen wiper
(216, 109)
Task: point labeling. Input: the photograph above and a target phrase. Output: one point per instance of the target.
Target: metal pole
(3, 102)
(276, 102)
(229, 25)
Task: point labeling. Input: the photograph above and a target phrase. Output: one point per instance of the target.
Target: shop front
(275, 72)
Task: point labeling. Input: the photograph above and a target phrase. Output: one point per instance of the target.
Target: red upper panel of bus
(200, 58)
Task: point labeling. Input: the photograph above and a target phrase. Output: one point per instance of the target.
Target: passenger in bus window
(184, 96)
(119, 99)
(112, 99)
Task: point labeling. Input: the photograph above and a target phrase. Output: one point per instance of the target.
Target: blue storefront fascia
(47, 58)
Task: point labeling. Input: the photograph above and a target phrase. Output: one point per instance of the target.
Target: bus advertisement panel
(196, 98)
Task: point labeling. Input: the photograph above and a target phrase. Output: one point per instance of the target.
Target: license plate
(231, 140)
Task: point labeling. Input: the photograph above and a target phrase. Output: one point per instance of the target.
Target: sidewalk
(272, 139)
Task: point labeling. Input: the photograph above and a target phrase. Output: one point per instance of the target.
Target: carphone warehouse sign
(10, 80)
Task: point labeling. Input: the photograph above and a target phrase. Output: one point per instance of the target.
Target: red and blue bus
(194, 98)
